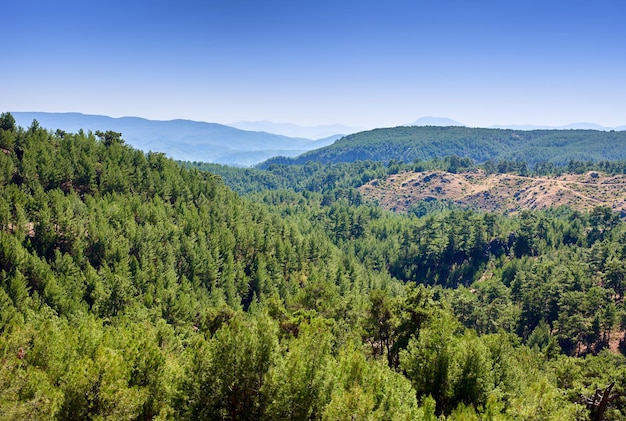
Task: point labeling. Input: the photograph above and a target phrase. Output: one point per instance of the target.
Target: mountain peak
(435, 121)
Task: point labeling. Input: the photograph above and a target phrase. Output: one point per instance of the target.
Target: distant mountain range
(435, 121)
(252, 143)
(183, 139)
(292, 130)
(443, 121)
(572, 126)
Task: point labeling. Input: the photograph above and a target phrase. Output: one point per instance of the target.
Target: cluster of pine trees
(135, 288)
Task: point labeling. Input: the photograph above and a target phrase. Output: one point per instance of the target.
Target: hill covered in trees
(135, 288)
(425, 143)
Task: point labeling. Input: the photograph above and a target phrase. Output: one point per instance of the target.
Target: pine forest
(135, 287)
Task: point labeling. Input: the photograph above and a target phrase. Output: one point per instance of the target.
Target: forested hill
(424, 143)
(117, 268)
(134, 289)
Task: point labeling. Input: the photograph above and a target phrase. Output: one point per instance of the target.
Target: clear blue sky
(361, 63)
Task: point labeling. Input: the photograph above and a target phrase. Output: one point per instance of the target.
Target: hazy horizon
(361, 64)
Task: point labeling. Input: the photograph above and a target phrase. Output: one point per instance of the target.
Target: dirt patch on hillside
(504, 193)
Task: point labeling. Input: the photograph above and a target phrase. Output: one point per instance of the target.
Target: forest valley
(133, 287)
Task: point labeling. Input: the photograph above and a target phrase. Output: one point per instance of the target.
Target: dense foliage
(133, 288)
(425, 143)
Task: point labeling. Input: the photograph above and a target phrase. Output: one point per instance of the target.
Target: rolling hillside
(423, 143)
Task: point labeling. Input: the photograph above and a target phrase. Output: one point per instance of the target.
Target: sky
(360, 63)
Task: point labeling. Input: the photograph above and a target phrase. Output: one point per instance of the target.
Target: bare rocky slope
(504, 193)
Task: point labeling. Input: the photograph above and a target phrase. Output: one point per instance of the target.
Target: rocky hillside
(499, 192)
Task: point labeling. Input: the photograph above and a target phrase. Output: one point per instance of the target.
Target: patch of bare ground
(504, 193)
(614, 341)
